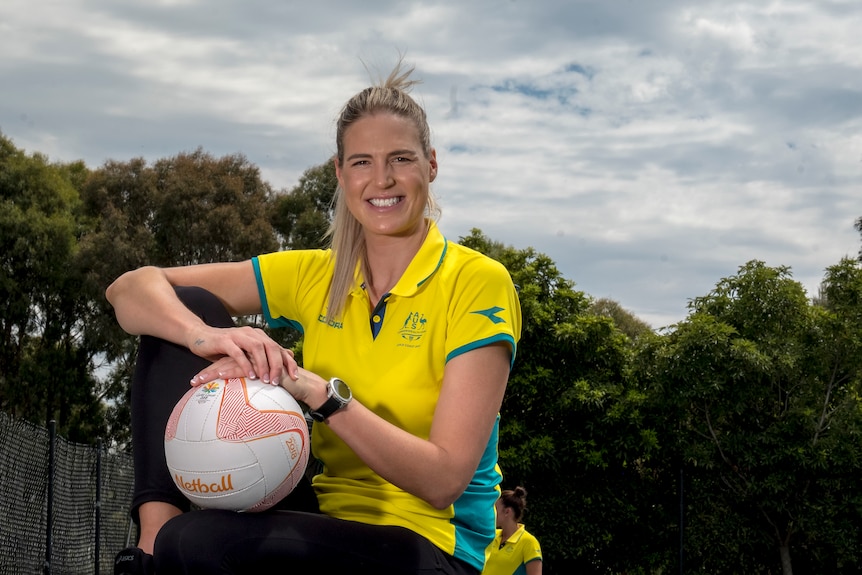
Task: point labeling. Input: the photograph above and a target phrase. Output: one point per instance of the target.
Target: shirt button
(376, 319)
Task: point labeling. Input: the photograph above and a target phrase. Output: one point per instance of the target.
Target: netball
(236, 444)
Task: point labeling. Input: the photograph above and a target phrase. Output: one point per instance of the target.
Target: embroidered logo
(491, 313)
(414, 327)
(331, 323)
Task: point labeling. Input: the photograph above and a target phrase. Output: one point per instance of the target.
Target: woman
(514, 550)
(422, 331)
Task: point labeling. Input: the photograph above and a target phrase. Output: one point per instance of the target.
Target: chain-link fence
(64, 507)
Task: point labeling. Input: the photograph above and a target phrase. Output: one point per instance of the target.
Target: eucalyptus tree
(302, 215)
(759, 388)
(626, 321)
(186, 209)
(571, 430)
(858, 226)
(45, 364)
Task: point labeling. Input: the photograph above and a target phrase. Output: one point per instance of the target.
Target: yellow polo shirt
(450, 300)
(512, 557)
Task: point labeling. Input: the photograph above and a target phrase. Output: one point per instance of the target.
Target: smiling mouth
(384, 202)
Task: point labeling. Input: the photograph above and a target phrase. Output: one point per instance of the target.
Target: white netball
(237, 444)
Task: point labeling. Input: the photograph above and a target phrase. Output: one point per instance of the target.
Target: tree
(858, 226)
(626, 321)
(191, 208)
(570, 430)
(210, 209)
(763, 389)
(46, 363)
(302, 216)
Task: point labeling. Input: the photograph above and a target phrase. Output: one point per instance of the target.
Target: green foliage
(626, 321)
(858, 226)
(46, 365)
(571, 430)
(301, 217)
(753, 401)
(188, 209)
(764, 390)
(210, 209)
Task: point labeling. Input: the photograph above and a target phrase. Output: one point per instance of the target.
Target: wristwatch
(338, 394)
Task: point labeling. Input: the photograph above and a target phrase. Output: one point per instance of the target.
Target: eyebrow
(404, 152)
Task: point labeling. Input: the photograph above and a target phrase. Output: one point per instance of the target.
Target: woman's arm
(534, 567)
(436, 470)
(145, 304)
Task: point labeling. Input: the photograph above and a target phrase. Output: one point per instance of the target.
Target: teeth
(384, 202)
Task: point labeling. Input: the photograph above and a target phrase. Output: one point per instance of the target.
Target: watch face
(341, 389)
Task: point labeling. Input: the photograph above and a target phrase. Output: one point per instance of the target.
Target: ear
(432, 160)
(337, 169)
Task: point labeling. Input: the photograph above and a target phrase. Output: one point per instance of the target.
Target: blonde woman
(408, 343)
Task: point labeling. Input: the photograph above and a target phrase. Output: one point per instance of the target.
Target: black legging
(292, 538)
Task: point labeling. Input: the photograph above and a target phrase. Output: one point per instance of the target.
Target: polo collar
(427, 260)
(516, 536)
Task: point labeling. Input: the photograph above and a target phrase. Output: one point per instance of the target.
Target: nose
(384, 176)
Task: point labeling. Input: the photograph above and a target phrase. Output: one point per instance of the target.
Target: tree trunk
(786, 565)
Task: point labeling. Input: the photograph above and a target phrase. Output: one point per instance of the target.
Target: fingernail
(266, 378)
(276, 381)
(252, 375)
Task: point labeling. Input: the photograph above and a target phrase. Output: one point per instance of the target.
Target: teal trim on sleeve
(482, 343)
(264, 305)
(260, 291)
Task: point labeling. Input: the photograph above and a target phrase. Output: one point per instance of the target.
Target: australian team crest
(414, 327)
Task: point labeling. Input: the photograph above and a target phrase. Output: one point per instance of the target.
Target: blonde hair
(345, 232)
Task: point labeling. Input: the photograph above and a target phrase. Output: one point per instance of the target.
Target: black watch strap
(329, 407)
(338, 395)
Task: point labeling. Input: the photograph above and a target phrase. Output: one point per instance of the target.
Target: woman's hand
(305, 386)
(241, 352)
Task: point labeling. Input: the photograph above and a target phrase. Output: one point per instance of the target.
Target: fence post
(98, 504)
(49, 520)
(681, 519)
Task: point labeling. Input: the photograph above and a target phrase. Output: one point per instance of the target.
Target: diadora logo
(197, 486)
(414, 327)
(491, 313)
(331, 323)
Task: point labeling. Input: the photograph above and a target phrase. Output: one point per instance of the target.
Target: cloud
(650, 149)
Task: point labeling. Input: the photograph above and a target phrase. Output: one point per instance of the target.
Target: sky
(649, 148)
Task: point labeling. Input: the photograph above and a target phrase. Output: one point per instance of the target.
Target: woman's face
(385, 175)
(501, 512)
